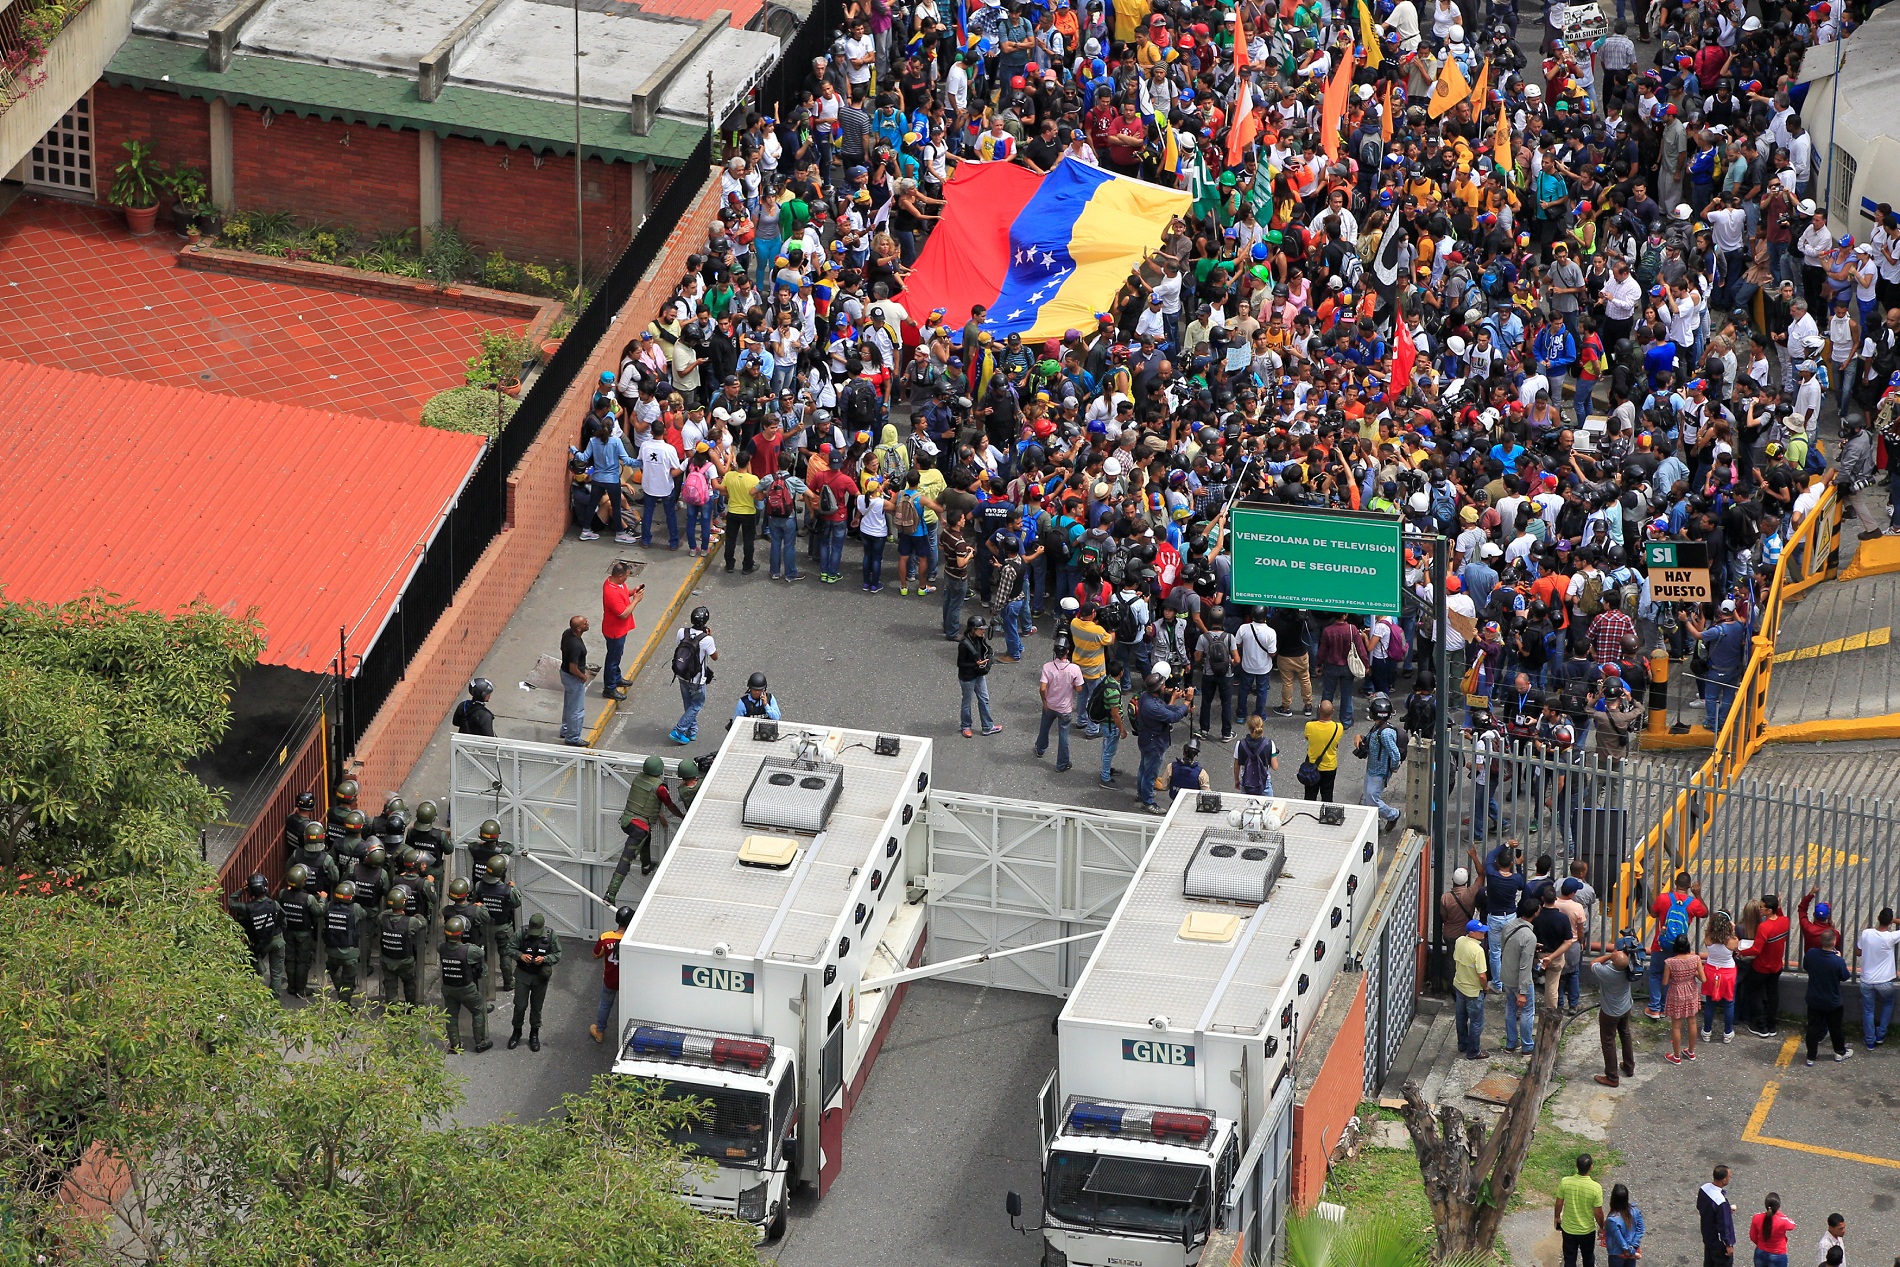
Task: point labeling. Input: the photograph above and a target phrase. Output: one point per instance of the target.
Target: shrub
(470, 410)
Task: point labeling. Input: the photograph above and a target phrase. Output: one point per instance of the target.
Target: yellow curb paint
(1755, 1131)
(1833, 646)
(639, 663)
(1885, 726)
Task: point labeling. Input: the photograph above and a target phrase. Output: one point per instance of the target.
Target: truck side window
(1224, 1179)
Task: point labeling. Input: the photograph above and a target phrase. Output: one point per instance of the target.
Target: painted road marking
(1812, 863)
(1753, 1132)
(1853, 642)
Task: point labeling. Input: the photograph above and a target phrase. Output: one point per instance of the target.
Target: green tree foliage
(1365, 1238)
(101, 704)
(132, 1028)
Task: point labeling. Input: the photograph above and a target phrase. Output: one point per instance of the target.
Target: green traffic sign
(1317, 560)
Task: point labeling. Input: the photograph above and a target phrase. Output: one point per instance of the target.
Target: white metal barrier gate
(1007, 873)
(560, 805)
(1388, 951)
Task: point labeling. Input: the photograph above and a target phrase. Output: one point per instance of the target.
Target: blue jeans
(573, 706)
(1151, 759)
(1111, 740)
(610, 667)
(1484, 807)
(1765, 1259)
(671, 502)
(1013, 621)
(605, 1008)
(1060, 721)
(693, 697)
(782, 532)
(1727, 1008)
(1335, 683)
(1571, 982)
(1375, 789)
(1520, 1023)
(699, 522)
(1586, 388)
(1654, 980)
(1468, 1014)
(873, 560)
(1253, 694)
(954, 592)
(831, 552)
(1494, 946)
(977, 690)
(1876, 1009)
(1717, 696)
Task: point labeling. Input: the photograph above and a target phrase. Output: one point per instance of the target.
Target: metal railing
(1389, 950)
(1811, 555)
(302, 768)
(27, 30)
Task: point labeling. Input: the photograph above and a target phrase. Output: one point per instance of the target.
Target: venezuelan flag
(1042, 254)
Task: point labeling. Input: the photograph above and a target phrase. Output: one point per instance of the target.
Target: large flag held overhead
(1332, 104)
(1450, 89)
(1043, 253)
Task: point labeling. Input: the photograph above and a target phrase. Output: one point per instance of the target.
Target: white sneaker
(1729, 1037)
(589, 535)
(1844, 1055)
(626, 539)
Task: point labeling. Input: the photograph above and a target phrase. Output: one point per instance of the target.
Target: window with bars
(1840, 207)
(62, 161)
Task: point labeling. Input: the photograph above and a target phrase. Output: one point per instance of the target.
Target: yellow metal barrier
(1811, 555)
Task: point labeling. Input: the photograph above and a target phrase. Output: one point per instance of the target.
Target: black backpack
(860, 404)
(686, 657)
(1121, 621)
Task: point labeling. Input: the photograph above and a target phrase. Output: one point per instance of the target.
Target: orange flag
(1240, 40)
(1332, 105)
(1450, 89)
(1479, 87)
(1244, 128)
(1385, 114)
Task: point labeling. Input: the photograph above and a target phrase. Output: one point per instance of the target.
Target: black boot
(534, 1040)
(514, 1039)
(482, 1046)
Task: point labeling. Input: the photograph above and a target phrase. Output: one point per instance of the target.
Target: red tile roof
(162, 494)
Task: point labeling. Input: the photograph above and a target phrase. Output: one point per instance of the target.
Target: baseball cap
(1728, 605)
(1474, 926)
(1572, 885)
(1822, 910)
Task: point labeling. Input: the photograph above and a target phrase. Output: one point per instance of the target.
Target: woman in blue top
(1623, 1229)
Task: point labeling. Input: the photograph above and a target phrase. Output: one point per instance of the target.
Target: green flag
(1200, 185)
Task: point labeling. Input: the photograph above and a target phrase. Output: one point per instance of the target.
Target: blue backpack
(1676, 920)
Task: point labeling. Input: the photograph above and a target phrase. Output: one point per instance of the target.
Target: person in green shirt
(1579, 1214)
(1469, 978)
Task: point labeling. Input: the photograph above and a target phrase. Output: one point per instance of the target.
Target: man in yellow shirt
(742, 512)
(1579, 1211)
(1469, 978)
(1089, 643)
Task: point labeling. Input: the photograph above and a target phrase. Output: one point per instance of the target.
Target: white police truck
(1168, 1114)
(748, 978)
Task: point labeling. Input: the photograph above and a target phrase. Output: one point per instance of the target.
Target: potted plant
(499, 364)
(136, 183)
(189, 196)
(556, 334)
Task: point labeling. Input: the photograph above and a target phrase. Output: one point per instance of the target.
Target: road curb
(633, 670)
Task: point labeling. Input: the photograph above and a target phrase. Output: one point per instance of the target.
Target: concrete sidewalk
(568, 586)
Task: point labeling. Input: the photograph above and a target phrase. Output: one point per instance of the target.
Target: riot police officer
(471, 716)
(342, 801)
(486, 845)
(462, 973)
(371, 879)
(303, 920)
(645, 810)
(393, 821)
(436, 845)
(262, 920)
(463, 905)
(410, 879)
(314, 857)
(400, 941)
(343, 925)
(355, 840)
(498, 897)
(537, 950)
(293, 823)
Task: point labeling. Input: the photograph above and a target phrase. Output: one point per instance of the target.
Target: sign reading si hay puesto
(1678, 571)
(1317, 560)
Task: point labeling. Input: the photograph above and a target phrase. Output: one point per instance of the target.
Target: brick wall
(178, 130)
(537, 509)
(339, 173)
(500, 200)
(1326, 1102)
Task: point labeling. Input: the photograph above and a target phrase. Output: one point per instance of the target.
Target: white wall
(72, 66)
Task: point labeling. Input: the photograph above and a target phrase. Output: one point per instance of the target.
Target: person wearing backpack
(1673, 911)
(693, 654)
(778, 498)
(910, 524)
(1216, 656)
(1380, 748)
(699, 495)
(1256, 757)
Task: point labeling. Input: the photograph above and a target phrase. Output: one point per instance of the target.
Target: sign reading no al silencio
(1317, 560)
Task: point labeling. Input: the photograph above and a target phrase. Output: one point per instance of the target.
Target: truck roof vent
(792, 795)
(1235, 866)
(774, 853)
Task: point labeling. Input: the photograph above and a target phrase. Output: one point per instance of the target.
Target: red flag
(1404, 356)
(1240, 41)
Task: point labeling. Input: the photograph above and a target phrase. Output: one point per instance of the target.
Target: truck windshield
(730, 1127)
(1125, 1193)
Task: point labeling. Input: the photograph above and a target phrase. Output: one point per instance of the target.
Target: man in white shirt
(1806, 417)
(1874, 952)
(658, 464)
(1257, 644)
(1404, 20)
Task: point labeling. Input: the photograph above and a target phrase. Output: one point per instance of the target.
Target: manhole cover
(1498, 1090)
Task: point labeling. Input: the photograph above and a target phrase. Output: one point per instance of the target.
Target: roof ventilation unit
(1235, 866)
(793, 795)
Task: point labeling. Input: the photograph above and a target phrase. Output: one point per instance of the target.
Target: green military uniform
(638, 818)
(342, 805)
(355, 841)
(314, 857)
(688, 785)
(462, 974)
(303, 921)
(344, 929)
(462, 904)
(399, 938)
(416, 885)
(537, 950)
(486, 845)
(498, 897)
(433, 842)
(262, 920)
(371, 877)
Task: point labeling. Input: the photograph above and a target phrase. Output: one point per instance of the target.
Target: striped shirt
(1091, 642)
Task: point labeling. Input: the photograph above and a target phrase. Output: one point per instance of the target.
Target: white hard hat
(1457, 35)
(1162, 667)
(1752, 25)
(1455, 345)
(1682, 211)
(1112, 467)
(1806, 207)
(1460, 876)
(1533, 91)
(1363, 92)
(1419, 503)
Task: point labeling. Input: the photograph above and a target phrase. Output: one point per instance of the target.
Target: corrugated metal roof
(359, 96)
(315, 519)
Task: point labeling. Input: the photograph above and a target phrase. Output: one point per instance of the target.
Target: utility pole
(580, 238)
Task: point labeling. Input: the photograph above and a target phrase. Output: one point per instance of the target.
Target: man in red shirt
(1766, 958)
(1685, 897)
(840, 490)
(1812, 930)
(607, 950)
(616, 622)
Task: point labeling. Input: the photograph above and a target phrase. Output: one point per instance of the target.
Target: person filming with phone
(617, 603)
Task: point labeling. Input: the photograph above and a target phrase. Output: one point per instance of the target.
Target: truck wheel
(1053, 1257)
(776, 1228)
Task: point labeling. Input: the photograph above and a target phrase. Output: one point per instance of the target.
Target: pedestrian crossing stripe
(1852, 642)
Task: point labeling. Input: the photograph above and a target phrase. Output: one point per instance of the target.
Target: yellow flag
(1368, 36)
(1479, 86)
(1450, 89)
(1502, 156)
